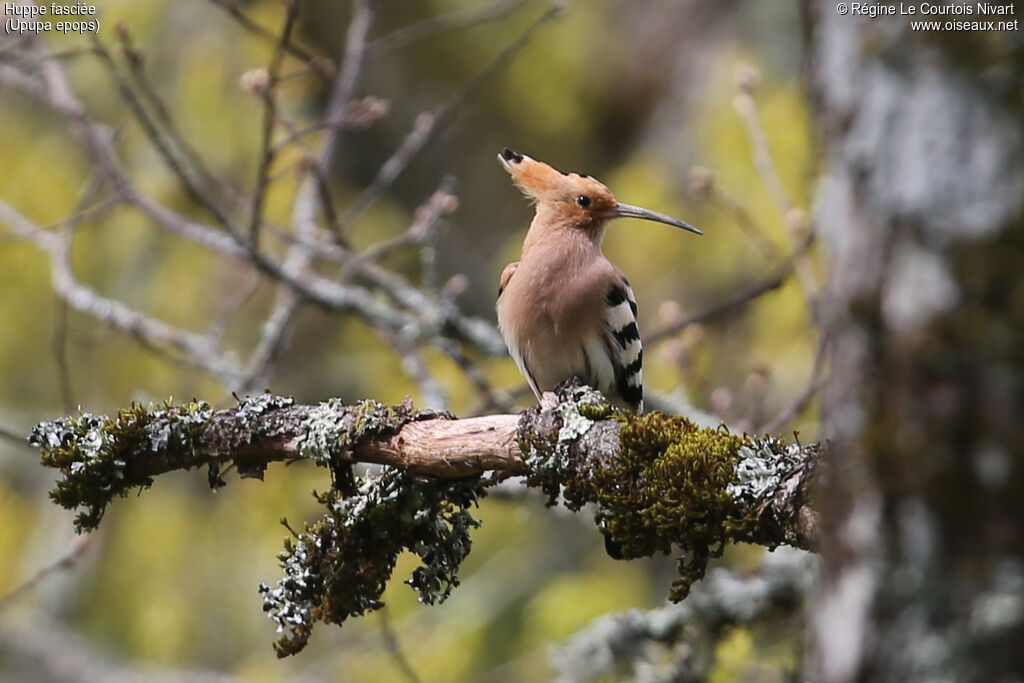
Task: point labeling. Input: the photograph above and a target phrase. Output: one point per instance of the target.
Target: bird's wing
(506, 275)
(518, 354)
(622, 339)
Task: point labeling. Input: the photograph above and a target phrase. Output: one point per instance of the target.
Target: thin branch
(195, 349)
(60, 329)
(79, 544)
(428, 28)
(794, 220)
(236, 298)
(427, 126)
(60, 354)
(423, 226)
(321, 66)
(343, 87)
(13, 437)
(394, 647)
(269, 95)
(432, 394)
(136, 63)
(815, 383)
(737, 300)
(348, 76)
(704, 186)
(493, 399)
(192, 186)
(357, 114)
(272, 341)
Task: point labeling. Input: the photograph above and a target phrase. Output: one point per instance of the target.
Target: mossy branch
(657, 482)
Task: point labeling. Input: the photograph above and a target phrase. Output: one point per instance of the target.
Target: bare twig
(427, 126)
(193, 186)
(194, 349)
(162, 113)
(60, 328)
(394, 647)
(272, 341)
(425, 220)
(79, 544)
(734, 302)
(793, 219)
(815, 382)
(235, 300)
(348, 76)
(344, 86)
(269, 95)
(704, 186)
(428, 28)
(13, 437)
(432, 394)
(358, 113)
(60, 354)
(493, 399)
(321, 66)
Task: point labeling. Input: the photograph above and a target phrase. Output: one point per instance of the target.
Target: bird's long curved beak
(630, 211)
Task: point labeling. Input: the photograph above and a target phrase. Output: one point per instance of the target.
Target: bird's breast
(552, 317)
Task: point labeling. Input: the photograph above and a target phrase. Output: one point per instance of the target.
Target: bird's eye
(583, 200)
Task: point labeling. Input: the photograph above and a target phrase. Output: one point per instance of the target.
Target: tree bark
(922, 209)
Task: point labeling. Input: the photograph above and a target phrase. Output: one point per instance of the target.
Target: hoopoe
(564, 309)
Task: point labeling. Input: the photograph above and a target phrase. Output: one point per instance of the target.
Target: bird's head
(574, 199)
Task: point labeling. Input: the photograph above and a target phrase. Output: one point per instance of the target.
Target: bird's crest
(542, 183)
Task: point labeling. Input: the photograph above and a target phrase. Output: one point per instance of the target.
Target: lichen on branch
(339, 567)
(667, 483)
(658, 483)
(97, 454)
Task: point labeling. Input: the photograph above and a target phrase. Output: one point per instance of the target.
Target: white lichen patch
(252, 408)
(760, 470)
(574, 424)
(293, 617)
(322, 431)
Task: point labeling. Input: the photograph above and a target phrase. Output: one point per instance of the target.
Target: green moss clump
(671, 484)
(340, 566)
(667, 483)
(660, 482)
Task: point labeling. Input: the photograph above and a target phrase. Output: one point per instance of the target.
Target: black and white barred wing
(622, 341)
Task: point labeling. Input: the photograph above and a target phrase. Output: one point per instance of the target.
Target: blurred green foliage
(171, 577)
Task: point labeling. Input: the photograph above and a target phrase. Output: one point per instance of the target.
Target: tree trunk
(922, 208)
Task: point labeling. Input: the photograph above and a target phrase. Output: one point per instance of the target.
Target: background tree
(924, 208)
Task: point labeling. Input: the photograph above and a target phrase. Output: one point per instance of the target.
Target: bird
(563, 308)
